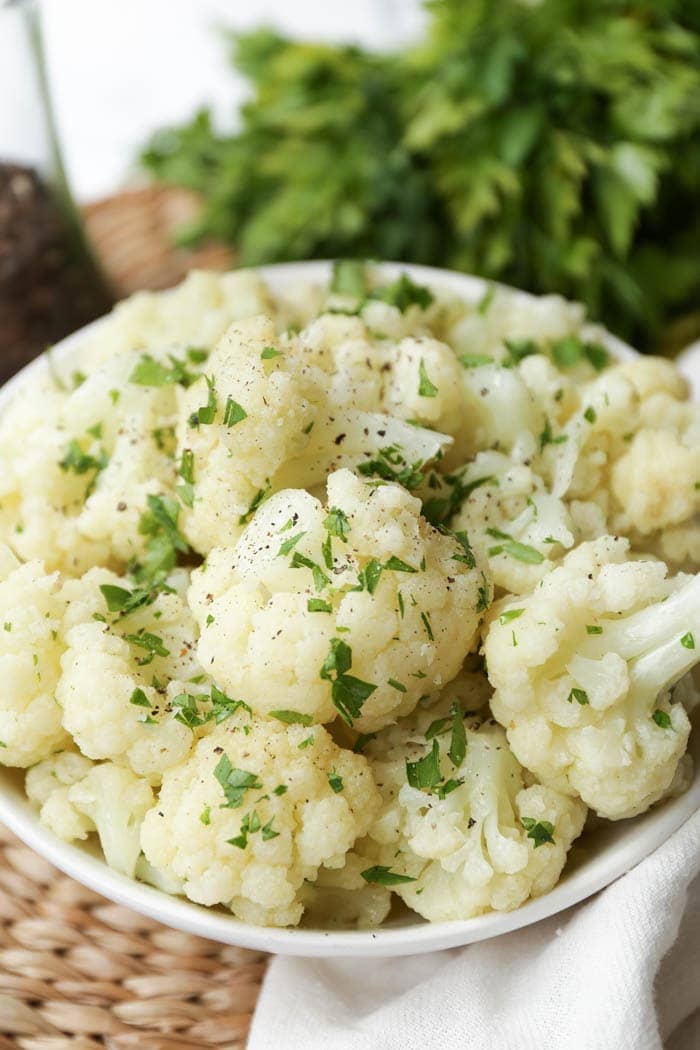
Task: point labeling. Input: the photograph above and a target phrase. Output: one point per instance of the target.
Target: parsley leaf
(426, 388)
(347, 692)
(235, 782)
(540, 831)
(292, 718)
(384, 876)
(425, 772)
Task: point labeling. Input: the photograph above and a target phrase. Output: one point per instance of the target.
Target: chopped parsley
(362, 740)
(593, 628)
(335, 781)
(82, 462)
(391, 465)
(149, 372)
(540, 831)
(292, 718)
(152, 643)
(402, 293)
(579, 695)
(514, 548)
(519, 349)
(281, 789)
(121, 600)
(288, 545)
(318, 605)
(186, 472)
(300, 561)
(426, 388)
(395, 564)
(436, 728)
(688, 641)
(425, 774)
(662, 719)
(458, 741)
(233, 413)
(259, 497)
(205, 816)
(474, 360)
(336, 523)
(188, 712)
(139, 699)
(547, 437)
(508, 615)
(369, 576)
(399, 686)
(159, 523)
(269, 352)
(205, 414)
(384, 876)
(235, 782)
(590, 414)
(570, 351)
(347, 692)
(428, 627)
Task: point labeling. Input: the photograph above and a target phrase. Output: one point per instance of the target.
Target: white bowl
(596, 860)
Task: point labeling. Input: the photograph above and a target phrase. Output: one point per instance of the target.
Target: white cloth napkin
(618, 972)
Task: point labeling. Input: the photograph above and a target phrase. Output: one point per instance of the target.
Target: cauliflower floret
(116, 802)
(77, 797)
(460, 831)
(255, 811)
(48, 786)
(124, 676)
(582, 669)
(358, 608)
(341, 898)
(654, 482)
(31, 611)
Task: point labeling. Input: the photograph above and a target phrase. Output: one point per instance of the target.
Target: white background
(120, 68)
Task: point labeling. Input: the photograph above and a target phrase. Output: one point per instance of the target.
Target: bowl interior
(599, 857)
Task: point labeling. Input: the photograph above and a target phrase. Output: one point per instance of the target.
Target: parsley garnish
(259, 497)
(514, 548)
(336, 524)
(152, 643)
(205, 815)
(292, 718)
(300, 561)
(428, 627)
(458, 742)
(592, 628)
(391, 465)
(369, 576)
(425, 772)
(121, 600)
(159, 522)
(384, 876)
(139, 699)
(399, 686)
(474, 360)
(688, 641)
(205, 413)
(510, 614)
(579, 695)
(233, 413)
(335, 781)
(590, 414)
(318, 605)
(186, 472)
(395, 564)
(235, 782)
(540, 831)
(288, 545)
(347, 692)
(269, 352)
(425, 387)
(662, 719)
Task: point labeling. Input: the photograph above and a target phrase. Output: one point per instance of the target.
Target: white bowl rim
(631, 841)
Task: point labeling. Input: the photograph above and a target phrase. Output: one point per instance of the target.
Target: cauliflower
(341, 898)
(460, 831)
(257, 809)
(261, 420)
(583, 669)
(124, 688)
(31, 611)
(76, 797)
(358, 608)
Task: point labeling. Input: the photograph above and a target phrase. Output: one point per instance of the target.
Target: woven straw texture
(76, 970)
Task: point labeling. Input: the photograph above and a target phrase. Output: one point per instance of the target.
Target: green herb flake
(233, 413)
(438, 727)
(662, 719)
(259, 497)
(269, 353)
(139, 699)
(267, 831)
(592, 628)
(205, 816)
(395, 564)
(281, 789)
(425, 387)
(428, 627)
(318, 605)
(509, 615)
(474, 360)
(688, 641)
(362, 740)
(384, 876)
(300, 561)
(398, 686)
(306, 743)
(235, 782)
(458, 741)
(335, 781)
(336, 524)
(590, 414)
(579, 695)
(540, 831)
(347, 692)
(292, 718)
(288, 545)
(425, 774)
(520, 551)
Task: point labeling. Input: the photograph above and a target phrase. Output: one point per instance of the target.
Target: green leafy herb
(425, 387)
(402, 293)
(205, 414)
(514, 548)
(391, 465)
(395, 564)
(540, 831)
(205, 816)
(384, 876)
(336, 524)
(593, 628)
(436, 728)
(139, 699)
(259, 497)
(318, 605)
(398, 686)
(590, 414)
(579, 695)
(425, 774)
(688, 641)
(186, 472)
(508, 615)
(362, 740)
(292, 718)
(160, 524)
(269, 352)
(152, 643)
(121, 600)
(267, 832)
(519, 349)
(300, 561)
(369, 575)
(458, 741)
(347, 692)
(288, 545)
(335, 781)
(235, 782)
(233, 413)
(662, 719)
(281, 789)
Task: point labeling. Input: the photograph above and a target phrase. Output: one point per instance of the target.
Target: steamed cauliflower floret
(48, 786)
(122, 675)
(76, 481)
(257, 809)
(458, 822)
(655, 482)
(77, 797)
(359, 608)
(341, 898)
(582, 669)
(31, 611)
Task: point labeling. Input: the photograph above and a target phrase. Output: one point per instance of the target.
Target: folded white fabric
(618, 972)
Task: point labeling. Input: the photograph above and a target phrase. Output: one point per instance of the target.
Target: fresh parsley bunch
(553, 145)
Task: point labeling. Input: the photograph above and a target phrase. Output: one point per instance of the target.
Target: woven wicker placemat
(76, 970)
